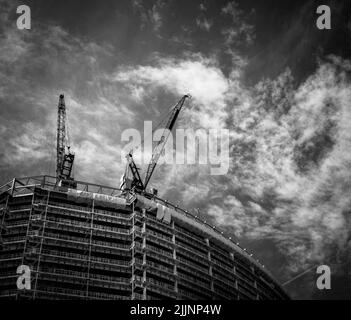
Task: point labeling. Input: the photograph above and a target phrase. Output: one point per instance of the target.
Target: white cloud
(30, 144)
(314, 201)
(196, 75)
(30, 101)
(150, 16)
(270, 125)
(202, 7)
(204, 24)
(240, 30)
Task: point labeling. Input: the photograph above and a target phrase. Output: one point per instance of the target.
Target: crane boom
(136, 182)
(161, 143)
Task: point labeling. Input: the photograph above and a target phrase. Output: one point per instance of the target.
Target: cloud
(35, 67)
(150, 14)
(204, 24)
(290, 152)
(202, 7)
(196, 75)
(281, 165)
(240, 31)
(202, 21)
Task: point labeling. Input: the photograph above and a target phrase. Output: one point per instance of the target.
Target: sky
(260, 69)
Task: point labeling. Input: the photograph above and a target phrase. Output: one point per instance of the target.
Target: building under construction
(88, 241)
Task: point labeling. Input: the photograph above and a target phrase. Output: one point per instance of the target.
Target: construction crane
(65, 158)
(136, 183)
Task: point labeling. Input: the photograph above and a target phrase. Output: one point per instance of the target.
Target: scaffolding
(96, 242)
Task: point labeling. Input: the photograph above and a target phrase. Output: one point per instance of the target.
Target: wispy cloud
(35, 67)
(290, 158)
(196, 75)
(240, 30)
(150, 13)
(204, 23)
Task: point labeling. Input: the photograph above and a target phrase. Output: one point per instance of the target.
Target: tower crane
(65, 158)
(136, 183)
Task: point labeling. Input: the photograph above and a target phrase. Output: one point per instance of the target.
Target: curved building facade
(97, 242)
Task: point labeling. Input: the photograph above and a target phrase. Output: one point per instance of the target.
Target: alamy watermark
(324, 280)
(324, 20)
(24, 20)
(24, 279)
(201, 146)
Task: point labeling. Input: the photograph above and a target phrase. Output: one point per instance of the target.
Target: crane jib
(137, 182)
(159, 147)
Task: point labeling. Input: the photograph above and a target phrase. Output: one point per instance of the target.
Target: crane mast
(65, 158)
(61, 134)
(137, 182)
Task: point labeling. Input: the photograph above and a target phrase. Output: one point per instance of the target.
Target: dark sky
(258, 68)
